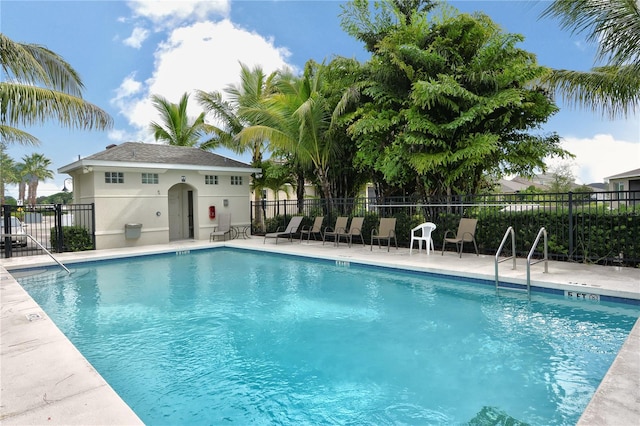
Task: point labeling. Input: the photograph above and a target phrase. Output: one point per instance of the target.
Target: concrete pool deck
(45, 379)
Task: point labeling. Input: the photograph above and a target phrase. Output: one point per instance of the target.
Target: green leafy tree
(36, 169)
(448, 102)
(39, 86)
(359, 20)
(176, 127)
(614, 25)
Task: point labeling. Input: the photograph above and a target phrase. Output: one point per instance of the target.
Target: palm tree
(614, 25)
(7, 171)
(176, 128)
(299, 119)
(39, 86)
(254, 89)
(35, 168)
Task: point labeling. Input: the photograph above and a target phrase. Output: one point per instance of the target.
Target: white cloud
(599, 157)
(137, 37)
(170, 13)
(204, 56)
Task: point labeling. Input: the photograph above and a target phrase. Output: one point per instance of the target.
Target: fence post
(93, 224)
(6, 213)
(59, 233)
(570, 225)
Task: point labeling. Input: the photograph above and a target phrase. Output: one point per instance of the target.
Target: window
(236, 180)
(150, 178)
(113, 177)
(619, 188)
(210, 180)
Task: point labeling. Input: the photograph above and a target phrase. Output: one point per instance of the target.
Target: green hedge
(74, 238)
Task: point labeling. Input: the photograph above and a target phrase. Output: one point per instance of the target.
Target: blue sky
(125, 51)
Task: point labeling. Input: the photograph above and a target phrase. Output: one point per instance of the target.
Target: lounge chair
(314, 229)
(386, 231)
(289, 231)
(223, 228)
(355, 230)
(422, 233)
(466, 233)
(339, 228)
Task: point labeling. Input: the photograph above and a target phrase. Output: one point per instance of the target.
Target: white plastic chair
(422, 233)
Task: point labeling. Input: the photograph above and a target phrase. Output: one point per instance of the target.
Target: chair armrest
(473, 237)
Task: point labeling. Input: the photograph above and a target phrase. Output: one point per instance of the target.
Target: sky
(126, 51)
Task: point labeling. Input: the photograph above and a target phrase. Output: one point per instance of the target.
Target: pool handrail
(48, 252)
(511, 232)
(545, 258)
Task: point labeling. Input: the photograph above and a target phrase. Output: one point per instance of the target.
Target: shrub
(74, 238)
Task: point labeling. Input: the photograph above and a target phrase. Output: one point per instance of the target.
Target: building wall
(133, 202)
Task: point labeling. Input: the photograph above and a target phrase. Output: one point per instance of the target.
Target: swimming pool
(223, 335)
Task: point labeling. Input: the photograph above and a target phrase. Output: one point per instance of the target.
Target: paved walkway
(44, 379)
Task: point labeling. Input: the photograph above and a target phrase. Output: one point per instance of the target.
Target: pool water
(230, 336)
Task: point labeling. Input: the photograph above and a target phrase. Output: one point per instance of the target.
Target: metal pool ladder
(511, 232)
(48, 252)
(545, 258)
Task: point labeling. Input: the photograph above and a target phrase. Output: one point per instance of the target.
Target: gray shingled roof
(630, 173)
(137, 152)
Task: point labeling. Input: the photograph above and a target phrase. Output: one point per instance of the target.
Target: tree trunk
(21, 191)
(326, 188)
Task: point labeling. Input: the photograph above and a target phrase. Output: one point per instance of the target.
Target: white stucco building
(170, 191)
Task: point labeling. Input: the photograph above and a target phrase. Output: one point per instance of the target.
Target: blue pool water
(223, 336)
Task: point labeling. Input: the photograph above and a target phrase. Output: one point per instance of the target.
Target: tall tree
(36, 169)
(300, 119)
(39, 86)
(176, 127)
(614, 25)
(450, 101)
(228, 110)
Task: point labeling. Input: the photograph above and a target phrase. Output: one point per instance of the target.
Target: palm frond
(27, 105)
(36, 65)
(614, 25)
(12, 135)
(612, 90)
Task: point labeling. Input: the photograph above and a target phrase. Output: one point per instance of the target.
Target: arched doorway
(181, 212)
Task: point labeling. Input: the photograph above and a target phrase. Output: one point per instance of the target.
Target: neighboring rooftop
(630, 173)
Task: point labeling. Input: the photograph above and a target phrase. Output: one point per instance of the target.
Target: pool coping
(74, 393)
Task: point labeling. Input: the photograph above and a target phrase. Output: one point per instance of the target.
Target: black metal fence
(26, 230)
(598, 227)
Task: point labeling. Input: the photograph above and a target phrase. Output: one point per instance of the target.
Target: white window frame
(150, 178)
(113, 177)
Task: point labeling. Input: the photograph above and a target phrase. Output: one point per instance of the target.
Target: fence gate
(58, 227)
